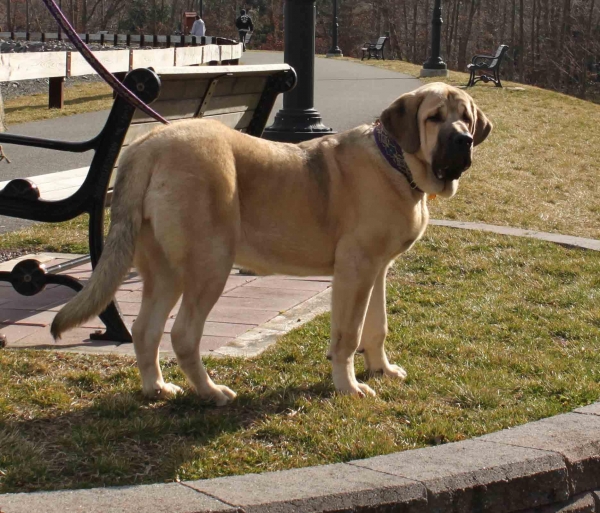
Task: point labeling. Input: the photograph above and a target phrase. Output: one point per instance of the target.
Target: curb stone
(557, 238)
(574, 436)
(541, 467)
(580, 504)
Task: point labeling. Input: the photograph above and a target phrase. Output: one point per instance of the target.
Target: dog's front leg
(353, 279)
(375, 331)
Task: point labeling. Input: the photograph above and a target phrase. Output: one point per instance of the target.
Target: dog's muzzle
(454, 157)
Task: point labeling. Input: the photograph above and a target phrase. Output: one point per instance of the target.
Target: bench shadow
(125, 439)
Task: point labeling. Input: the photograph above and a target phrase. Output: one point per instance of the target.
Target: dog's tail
(134, 174)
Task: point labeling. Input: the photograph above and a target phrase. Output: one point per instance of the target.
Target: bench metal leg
(111, 317)
(29, 277)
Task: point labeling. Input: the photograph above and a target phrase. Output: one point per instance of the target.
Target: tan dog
(194, 197)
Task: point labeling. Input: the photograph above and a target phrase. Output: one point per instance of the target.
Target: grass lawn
(494, 332)
(79, 98)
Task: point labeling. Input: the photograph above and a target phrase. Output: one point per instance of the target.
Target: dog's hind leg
(375, 331)
(202, 288)
(161, 291)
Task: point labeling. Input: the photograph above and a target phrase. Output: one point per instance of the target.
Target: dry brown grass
(78, 99)
(539, 168)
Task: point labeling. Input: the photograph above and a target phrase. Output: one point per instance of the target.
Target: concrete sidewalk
(252, 312)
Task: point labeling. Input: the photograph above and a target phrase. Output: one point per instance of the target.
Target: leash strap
(97, 65)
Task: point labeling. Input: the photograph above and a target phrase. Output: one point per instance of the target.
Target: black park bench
(374, 49)
(486, 64)
(242, 97)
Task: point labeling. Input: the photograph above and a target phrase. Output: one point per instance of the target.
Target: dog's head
(437, 124)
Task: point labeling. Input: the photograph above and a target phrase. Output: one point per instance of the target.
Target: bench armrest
(482, 60)
(481, 57)
(51, 144)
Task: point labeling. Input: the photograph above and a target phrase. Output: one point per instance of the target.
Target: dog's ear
(483, 127)
(401, 120)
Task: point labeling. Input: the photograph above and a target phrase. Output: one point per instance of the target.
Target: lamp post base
(296, 125)
(434, 72)
(335, 52)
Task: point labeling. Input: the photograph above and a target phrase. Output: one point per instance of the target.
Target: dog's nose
(462, 141)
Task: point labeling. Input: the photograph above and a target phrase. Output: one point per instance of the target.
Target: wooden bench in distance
(242, 97)
(485, 64)
(374, 49)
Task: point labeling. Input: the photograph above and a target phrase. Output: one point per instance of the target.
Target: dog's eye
(435, 118)
(466, 118)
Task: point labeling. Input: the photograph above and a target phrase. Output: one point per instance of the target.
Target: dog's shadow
(125, 439)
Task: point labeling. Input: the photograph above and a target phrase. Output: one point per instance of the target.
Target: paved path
(339, 96)
(251, 314)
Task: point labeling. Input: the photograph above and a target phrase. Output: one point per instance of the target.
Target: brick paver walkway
(247, 303)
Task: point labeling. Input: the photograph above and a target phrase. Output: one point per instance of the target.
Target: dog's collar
(393, 153)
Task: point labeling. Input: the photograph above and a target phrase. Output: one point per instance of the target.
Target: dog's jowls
(195, 197)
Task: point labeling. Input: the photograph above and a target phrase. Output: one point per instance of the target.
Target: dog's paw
(393, 371)
(163, 391)
(222, 395)
(170, 390)
(359, 389)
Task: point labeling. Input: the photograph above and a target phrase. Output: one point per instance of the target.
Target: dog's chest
(409, 229)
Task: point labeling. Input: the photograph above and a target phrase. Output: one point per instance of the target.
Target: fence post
(56, 92)
(194, 41)
(128, 40)
(154, 41)
(142, 40)
(102, 39)
(87, 39)
(169, 41)
(115, 39)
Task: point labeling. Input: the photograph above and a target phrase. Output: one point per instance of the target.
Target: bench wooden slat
(195, 87)
(237, 120)
(183, 109)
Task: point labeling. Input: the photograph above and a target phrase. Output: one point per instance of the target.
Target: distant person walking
(244, 25)
(198, 28)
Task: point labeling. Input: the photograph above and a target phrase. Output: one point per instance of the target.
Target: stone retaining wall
(552, 465)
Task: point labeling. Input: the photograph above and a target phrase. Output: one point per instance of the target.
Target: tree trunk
(512, 39)
(413, 52)
(427, 21)
(84, 16)
(521, 41)
(503, 28)
(8, 17)
(464, 38)
(2, 118)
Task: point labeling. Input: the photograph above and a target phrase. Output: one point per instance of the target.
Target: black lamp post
(299, 120)
(435, 66)
(335, 50)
